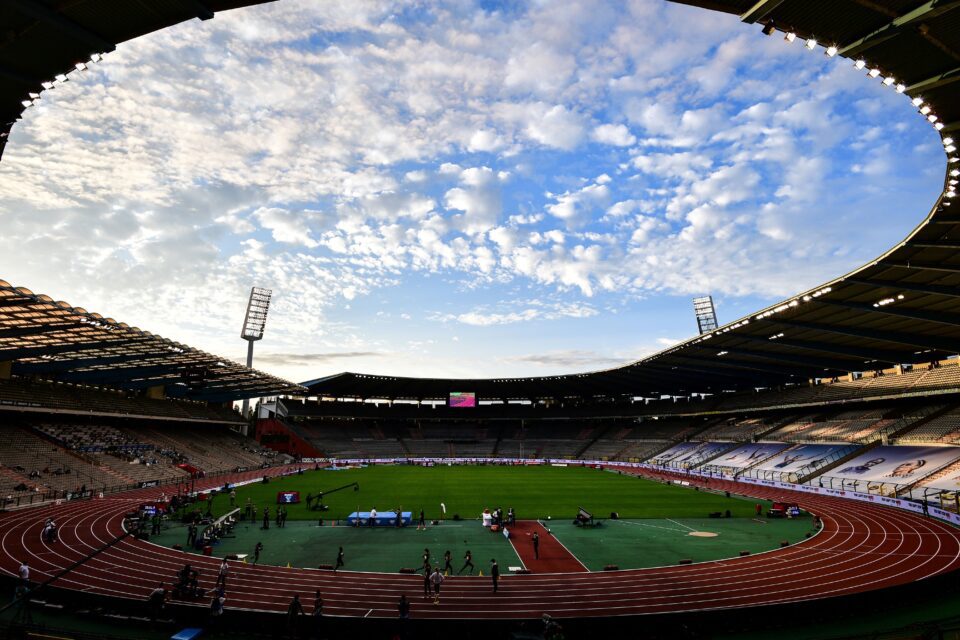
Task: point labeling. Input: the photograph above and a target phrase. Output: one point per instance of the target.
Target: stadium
(795, 471)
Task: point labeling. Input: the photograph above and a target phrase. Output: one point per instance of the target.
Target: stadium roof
(58, 342)
(900, 308)
(41, 39)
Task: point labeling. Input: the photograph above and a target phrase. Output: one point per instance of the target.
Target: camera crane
(315, 502)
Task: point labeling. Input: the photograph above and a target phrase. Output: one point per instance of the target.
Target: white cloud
(617, 135)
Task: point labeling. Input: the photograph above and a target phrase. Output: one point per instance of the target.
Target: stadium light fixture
(60, 77)
(96, 57)
(925, 109)
(769, 28)
(26, 103)
(790, 36)
(254, 322)
(950, 149)
(901, 87)
(938, 126)
(874, 73)
(34, 96)
(831, 51)
(811, 43)
(80, 66)
(917, 101)
(932, 118)
(955, 172)
(889, 80)
(947, 141)
(860, 64)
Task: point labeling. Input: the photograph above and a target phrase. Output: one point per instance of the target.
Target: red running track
(554, 557)
(862, 547)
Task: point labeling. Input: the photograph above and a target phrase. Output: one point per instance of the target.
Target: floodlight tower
(254, 323)
(706, 314)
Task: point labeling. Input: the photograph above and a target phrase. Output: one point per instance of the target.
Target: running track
(862, 547)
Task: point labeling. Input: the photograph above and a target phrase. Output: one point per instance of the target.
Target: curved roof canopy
(59, 342)
(901, 308)
(42, 39)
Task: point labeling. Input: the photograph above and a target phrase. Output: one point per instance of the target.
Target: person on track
(494, 573)
(467, 562)
(425, 562)
(403, 607)
(222, 574)
(24, 573)
(427, 590)
(422, 523)
(266, 518)
(536, 545)
(436, 579)
(447, 558)
(256, 552)
(294, 611)
(339, 559)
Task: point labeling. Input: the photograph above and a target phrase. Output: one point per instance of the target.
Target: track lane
(861, 547)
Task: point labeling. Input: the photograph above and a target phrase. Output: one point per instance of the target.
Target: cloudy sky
(464, 188)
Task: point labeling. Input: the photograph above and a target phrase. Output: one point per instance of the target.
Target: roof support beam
(119, 375)
(760, 10)
(70, 364)
(945, 220)
(939, 317)
(923, 266)
(854, 351)
(936, 343)
(76, 347)
(934, 82)
(813, 363)
(37, 329)
(932, 289)
(927, 11)
(46, 15)
(935, 244)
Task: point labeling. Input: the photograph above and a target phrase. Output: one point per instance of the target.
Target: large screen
(463, 399)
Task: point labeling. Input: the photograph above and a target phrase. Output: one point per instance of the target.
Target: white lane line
(680, 524)
(651, 526)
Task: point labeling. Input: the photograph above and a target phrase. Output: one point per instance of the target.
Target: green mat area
(304, 544)
(534, 492)
(634, 544)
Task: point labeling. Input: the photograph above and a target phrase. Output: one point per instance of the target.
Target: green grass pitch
(533, 491)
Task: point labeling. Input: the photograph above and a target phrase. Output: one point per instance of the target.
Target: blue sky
(456, 189)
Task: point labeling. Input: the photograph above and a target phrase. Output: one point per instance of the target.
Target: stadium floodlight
(47, 85)
(706, 314)
(947, 141)
(860, 64)
(80, 66)
(810, 43)
(925, 109)
(769, 28)
(901, 87)
(917, 101)
(874, 73)
(254, 322)
(831, 51)
(256, 317)
(889, 80)
(790, 36)
(932, 118)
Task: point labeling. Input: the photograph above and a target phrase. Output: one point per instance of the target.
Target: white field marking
(545, 530)
(680, 524)
(652, 526)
